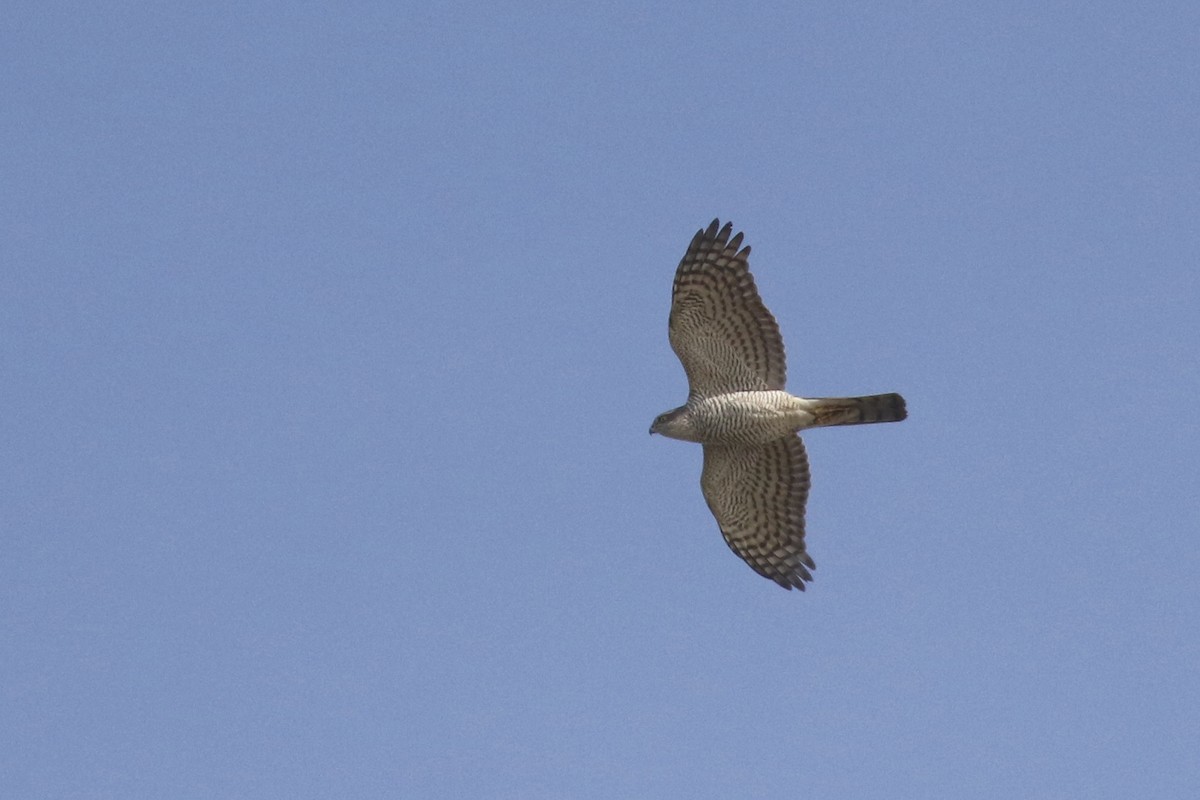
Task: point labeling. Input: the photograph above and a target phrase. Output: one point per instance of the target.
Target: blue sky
(330, 336)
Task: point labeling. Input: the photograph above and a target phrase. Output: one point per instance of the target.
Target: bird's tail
(859, 410)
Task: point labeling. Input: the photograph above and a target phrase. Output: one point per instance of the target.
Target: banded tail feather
(859, 410)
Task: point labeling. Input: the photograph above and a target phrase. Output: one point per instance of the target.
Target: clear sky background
(331, 334)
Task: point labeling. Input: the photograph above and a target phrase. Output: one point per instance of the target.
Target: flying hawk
(755, 477)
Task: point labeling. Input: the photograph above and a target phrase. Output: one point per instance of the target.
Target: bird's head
(669, 423)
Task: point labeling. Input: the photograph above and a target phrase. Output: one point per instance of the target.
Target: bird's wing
(724, 335)
(757, 493)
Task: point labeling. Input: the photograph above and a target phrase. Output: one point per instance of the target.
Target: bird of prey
(755, 478)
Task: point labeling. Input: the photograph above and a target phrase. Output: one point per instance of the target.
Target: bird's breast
(749, 417)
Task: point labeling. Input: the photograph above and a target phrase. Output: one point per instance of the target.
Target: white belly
(750, 417)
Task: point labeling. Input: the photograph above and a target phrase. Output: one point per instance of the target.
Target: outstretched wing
(724, 335)
(757, 493)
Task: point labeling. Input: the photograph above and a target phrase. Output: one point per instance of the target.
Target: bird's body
(756, 476)
(759, 417)
(754, 417)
